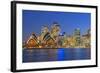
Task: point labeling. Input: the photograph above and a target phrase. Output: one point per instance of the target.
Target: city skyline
(69, 21)
(51, 38)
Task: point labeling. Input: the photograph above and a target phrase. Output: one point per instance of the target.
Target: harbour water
(61, 54)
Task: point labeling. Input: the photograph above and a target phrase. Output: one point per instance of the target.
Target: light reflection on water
(61, 54)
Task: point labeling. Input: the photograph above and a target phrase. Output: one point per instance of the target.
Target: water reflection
(61, 54)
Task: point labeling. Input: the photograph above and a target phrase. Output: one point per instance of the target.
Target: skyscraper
(77, 37)
(55, 30)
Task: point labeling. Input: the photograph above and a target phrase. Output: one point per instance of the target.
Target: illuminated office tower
(89, 38)
(89, 32)
(86, 39)
(64, 40)
(77, 37)
(55, 30)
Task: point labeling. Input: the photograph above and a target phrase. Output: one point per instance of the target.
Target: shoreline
(55, 48)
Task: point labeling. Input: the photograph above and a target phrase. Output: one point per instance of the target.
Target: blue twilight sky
(68, 21)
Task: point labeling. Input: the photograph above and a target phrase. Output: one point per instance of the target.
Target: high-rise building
(77, 37)
(86, 39)
(55, 30)
(64, 39)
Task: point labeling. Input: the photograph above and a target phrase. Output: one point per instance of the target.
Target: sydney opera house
(52, 38)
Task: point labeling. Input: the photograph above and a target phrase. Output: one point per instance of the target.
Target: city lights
(52, 38)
